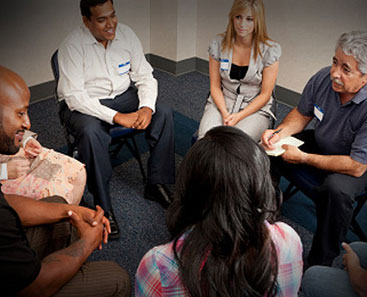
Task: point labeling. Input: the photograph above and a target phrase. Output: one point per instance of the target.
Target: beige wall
(186, 29)
(32, 30)
(180, 29)
(163, 28)
(306, 30)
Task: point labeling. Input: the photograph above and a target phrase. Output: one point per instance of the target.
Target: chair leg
(354, 226)
(289, 192)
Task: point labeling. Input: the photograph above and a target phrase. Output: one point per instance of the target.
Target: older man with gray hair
(336, 150)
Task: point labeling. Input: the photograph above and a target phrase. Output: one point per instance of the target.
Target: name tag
(124, 68)
(318, 112)
(224, 64)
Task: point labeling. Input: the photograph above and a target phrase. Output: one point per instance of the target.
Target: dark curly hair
(224, 195)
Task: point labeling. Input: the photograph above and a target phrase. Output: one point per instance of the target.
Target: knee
(164, 111)
(120, 279)
(337, 191)
(93, 134)
(312, 278)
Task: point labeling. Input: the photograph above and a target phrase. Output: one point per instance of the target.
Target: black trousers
(333, 194)
(93, 139)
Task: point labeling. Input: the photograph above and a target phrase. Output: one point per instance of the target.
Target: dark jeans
(333, 194)
(93, 139)
(102, 278)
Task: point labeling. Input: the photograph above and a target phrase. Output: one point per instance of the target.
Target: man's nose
(26, 122)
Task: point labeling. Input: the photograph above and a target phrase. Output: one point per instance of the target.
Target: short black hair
(85, 6)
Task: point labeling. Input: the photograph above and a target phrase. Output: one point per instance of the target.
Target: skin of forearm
(358, 279)
(335, 163)
(58, 268)
(293, 123)
(255, 105)
(218, 99)
(33, 212)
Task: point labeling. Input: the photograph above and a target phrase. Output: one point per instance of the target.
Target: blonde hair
(260, 34)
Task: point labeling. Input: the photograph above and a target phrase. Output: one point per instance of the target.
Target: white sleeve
(71, 85)
(4, 171)
(141, 74)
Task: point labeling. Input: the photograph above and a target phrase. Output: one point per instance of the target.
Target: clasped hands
(231, 119)
(292, 153)
(92, 225)
(139, 119)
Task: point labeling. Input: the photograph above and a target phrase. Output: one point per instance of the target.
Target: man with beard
(336, 150)
(40, 255)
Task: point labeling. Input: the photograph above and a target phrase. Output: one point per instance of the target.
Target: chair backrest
(55, 65)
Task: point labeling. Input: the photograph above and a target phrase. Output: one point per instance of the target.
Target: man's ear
(85, 21)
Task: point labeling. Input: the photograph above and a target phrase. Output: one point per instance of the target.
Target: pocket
(123, 67)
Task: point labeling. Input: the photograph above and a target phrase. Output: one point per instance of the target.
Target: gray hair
(354, 44)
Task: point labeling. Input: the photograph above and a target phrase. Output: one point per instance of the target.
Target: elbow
(359, 171)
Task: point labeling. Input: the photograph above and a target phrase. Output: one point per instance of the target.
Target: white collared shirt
(89, 72)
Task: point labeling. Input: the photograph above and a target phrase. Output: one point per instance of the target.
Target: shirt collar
(360, 96)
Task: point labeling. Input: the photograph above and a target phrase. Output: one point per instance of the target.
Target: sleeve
(141, 74)
(147, 277)
(19, 265)
(71, 85)
(3, 171)
(306, 103)
(290, 263)
(359, 145)
(215, 48)
(272, 54)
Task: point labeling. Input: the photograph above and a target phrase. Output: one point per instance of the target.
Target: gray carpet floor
(142, 222)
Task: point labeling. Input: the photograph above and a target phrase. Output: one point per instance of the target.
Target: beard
(7, 145)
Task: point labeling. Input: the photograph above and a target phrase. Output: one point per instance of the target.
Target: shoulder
(125, 31)
(271, 52)
(320, 79)
(161, 256)
(215, 46)
(285, 237)
(75, 37)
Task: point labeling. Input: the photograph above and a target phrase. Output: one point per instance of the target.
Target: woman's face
(244, 24)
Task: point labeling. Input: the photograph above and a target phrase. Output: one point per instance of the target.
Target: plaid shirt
(158, 273)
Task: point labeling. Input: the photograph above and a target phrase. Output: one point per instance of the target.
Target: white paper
(278, 146)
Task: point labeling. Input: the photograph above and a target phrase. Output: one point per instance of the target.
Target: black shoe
(115, 231)
(159, 193)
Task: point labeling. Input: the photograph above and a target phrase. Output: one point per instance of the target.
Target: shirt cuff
(4, 171)
(26, 140)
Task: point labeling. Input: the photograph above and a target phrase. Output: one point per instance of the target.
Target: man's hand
(293, 154)
(125, 119)
(268, 139)
(32, 148)
(89, 216)
(144, 118)
(93, 233)
(350, 258)
(232, 119)
(17, 167)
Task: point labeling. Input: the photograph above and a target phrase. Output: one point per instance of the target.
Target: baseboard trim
(46, 90)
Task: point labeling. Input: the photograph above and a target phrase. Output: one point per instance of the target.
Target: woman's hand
(232, 119)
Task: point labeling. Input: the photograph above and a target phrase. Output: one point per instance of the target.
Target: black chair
(120, 135)
(306, 180)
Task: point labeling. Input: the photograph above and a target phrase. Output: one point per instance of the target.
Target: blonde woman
(243, 67)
